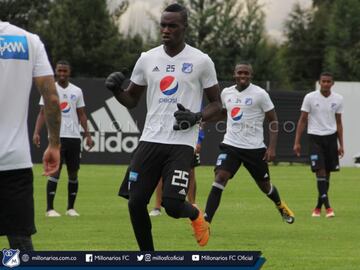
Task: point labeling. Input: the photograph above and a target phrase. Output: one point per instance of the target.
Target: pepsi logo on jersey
(236, 113)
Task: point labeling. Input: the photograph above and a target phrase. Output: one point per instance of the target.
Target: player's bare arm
(83, 122)
(299, 131)
(214, 109)
(51, 157)
(128, 97)
(40, 120)
(339, 129)
(273, 125)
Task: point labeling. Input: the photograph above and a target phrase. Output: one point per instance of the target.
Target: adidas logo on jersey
(156, 69)
(182, 192)
(108, 126)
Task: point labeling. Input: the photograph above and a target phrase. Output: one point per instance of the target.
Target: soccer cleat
(155, 212)
(201, 229)
(72, 213)
(316, 212)
(286, 213)
(52, 213)
(330, 213)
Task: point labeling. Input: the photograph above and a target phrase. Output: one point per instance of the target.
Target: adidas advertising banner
(214, 260)
(116, 130)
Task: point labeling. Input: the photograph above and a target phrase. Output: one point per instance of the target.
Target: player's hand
(36, 140)
(297, 149)
(198, 148)
(341, 152)
(51, 160)
(114, 81)
(89, 143)
(185, 118)
(269, 155)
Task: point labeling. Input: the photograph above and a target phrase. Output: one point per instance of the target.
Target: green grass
(246, 219)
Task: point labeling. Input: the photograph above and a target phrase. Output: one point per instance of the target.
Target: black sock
(50, 192)
(274, 195)
(213, 201)
(322, 189)
(73, 186)
(179, 209)
(23, 243)
(141, 224)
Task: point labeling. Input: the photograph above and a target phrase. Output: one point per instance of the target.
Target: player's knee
(172, 207)
(73, 175)
(222, 178)
(136, 203)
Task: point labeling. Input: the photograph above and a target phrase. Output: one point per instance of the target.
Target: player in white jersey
(73, 115)
(321, 112)
(23, 59)
(173, 74)
(246, 106)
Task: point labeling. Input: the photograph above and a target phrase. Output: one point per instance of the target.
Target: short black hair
(326, 73)
(180, 9)
(63, 62)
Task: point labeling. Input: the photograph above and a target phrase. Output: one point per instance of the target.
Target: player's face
(326, 82)
(62, 73)
(172, 29)
(242, 75)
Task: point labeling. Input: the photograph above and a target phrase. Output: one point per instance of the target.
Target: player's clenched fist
(114, 81)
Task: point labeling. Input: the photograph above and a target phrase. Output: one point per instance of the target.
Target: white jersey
(172, 80)
(70, 98)
(22, 57)
(245, 116)
(322, 110)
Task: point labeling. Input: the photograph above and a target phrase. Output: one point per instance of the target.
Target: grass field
(246, 219)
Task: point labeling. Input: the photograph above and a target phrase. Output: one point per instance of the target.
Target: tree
(343, 40)
(84, 33)
(25, 14)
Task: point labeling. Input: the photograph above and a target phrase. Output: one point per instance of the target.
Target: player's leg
(156, 211)
(17, 208)
(227, 165)
(176, 184)
(332, 165)
(143, 177)
(72, 158)
(259, 170)
(318, 166)
(191, 197)
(51, 186)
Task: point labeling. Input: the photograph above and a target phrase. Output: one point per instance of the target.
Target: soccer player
(23, 59)
(72, 113)
(191, 196)
(321, 111)
(246, 105)
(175, 76)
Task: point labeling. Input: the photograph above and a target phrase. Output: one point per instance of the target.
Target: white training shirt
(22, 57)
(245, 116)
(70, 98)
(172, 80)
(322, 110)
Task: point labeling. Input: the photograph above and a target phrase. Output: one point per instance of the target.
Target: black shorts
(152, 161)
(323, 152)
(17, 202)
(71, 153)
(231, 158)
(196, 160)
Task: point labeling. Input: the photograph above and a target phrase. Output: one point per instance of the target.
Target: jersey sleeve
(80, 101)
(42, 65)
(138, 74)
(222, 97)
(305, 107)
(208, 76)
(266, 103)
